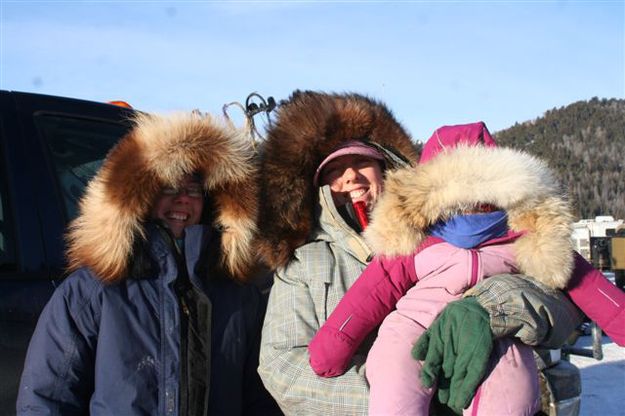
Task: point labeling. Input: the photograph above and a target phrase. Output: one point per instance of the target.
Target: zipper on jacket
(181, 285)
(184, 307)
(184, 351)
(474, 261)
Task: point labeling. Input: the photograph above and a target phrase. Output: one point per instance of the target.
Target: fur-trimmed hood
(158, 152)
(460, 178)
(308, 127)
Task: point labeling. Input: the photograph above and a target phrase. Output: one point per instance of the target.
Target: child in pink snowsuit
(469, 211)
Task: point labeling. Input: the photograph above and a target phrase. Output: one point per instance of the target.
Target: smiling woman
(181, 206)
(342, 140)
(156, 316)
(353, 178)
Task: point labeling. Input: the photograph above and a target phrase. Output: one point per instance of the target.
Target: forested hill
(585, 143)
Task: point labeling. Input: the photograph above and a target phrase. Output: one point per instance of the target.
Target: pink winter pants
(510, 388)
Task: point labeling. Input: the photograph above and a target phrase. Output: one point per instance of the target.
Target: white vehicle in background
(601, 241)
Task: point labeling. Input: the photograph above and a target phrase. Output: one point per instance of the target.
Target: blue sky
(433, 63)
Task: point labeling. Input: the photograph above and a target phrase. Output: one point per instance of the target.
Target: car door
(50, 147)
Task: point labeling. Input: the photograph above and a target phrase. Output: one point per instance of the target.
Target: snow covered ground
(603, 382)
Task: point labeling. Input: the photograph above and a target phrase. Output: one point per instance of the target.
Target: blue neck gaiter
(470, 230)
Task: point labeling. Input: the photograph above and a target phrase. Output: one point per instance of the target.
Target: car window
(77, 147)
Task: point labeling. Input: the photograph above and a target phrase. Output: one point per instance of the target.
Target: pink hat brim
(352, 147)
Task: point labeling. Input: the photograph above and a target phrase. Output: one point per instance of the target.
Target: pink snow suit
(440, 273)
(445, 273)
(462, 168)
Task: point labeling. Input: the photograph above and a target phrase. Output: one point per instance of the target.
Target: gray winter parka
(304, 293)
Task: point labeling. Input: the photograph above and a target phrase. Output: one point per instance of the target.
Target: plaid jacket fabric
(303, 295)
(523, 308)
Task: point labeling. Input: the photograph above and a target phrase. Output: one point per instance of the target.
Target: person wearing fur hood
(308, 240)
(468, 211)
(156, 317)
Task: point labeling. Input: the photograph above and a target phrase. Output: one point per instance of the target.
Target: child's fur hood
(458, 179)
(308, 127)
(158, 152)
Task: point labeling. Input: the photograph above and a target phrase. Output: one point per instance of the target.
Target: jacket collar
(334, 229)
(194, 241)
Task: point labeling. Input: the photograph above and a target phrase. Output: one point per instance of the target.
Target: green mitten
(456, 350)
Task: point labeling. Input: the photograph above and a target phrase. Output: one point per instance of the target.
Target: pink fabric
(599, 299)
(364, 306)
(445, 273)
(381, 284)
(448, 137)
(510, 388)
(419, 286)
(390, 359)
(497, 395)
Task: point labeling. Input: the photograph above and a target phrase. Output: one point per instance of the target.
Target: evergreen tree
(584, 143)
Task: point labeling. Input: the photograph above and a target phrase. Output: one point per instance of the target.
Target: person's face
(353, 178)
(181, 206)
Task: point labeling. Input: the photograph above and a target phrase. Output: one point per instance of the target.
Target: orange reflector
(120, 104)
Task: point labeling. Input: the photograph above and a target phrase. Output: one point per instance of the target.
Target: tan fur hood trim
(308, 127)
(415, 198)
(159, 151)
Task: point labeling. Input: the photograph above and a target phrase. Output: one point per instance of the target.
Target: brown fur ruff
(415, 198)
(308, 127)
(158, 152)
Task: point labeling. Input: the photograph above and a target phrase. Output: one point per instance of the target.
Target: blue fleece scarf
(471, 230)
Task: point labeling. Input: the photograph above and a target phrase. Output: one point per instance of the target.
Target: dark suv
(50, 148)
